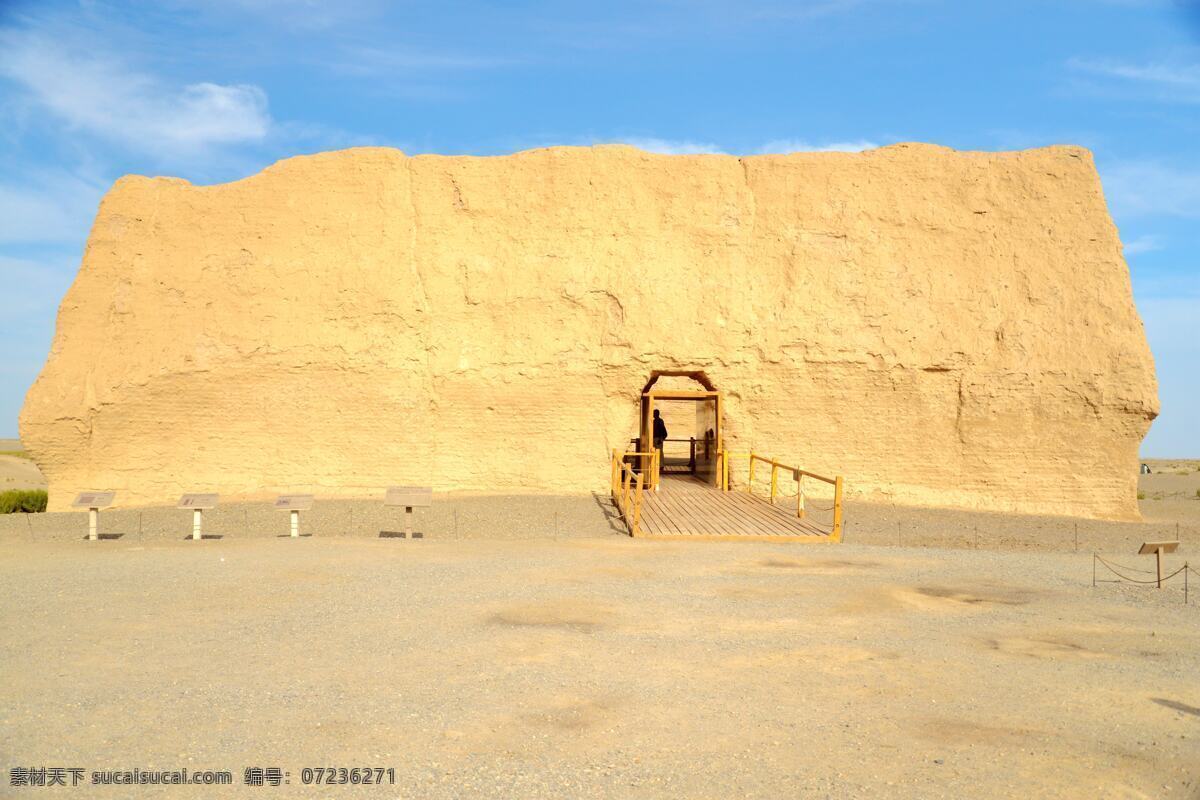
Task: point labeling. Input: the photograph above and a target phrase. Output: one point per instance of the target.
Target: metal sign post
(409, 497)
(93, 502)
(1158, 548)
(294, 503)
(197, 503)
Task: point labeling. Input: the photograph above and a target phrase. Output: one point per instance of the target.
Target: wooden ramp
(686, 508)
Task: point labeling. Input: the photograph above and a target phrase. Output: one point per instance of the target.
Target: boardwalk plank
(687, 507)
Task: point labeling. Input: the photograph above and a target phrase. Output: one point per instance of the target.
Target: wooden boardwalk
(686, 508)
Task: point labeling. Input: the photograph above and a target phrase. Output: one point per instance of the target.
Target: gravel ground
(566, 516)
(450, 517)
(596, 666)
(525, 647)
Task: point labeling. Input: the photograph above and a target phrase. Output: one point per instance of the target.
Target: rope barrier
(1109, 567)
(1131, 569)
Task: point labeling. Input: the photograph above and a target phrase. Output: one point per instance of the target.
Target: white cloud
(671, 147)
(295, 15)
(1177, 82)
(374, 61)
(1143, 188)
(1173, 74)
(97, 93)
(690, 147)
(1143, 244)
(801, 146)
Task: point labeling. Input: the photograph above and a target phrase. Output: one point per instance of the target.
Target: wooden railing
(627, 487)
(649, 464)
(691, 443)
(798, 475)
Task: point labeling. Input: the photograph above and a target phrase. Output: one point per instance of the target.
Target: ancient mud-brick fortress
(939, 327)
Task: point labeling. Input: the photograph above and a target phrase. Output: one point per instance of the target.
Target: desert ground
(552, 657)
(16, 470)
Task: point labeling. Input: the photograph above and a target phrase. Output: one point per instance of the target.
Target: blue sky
(214, 90)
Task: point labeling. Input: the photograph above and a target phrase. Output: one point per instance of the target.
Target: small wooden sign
(409, 496)
(198, 501)
(294, 502)
(1154, 547)
(93, 500)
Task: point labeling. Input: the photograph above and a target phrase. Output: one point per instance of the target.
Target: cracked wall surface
(940, 327)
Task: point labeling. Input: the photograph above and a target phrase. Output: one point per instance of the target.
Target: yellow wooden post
(800, 494)
(774, 480)
(837, 509)
(750, 479)
(628, 475)
(635, 528)
(615, 471)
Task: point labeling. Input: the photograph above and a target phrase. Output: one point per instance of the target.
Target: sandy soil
(17, 472)
(599, 667)
(525, 648)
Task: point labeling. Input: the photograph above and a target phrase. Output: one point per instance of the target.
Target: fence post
(837, 508)
(616, 462)
(628, 477)
(635, 528)
(774, 480)
(800, 496)
(750, 479)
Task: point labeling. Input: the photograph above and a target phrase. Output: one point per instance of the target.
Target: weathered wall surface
(940, 327)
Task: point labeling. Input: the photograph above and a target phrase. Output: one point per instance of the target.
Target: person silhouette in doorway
(660, 434)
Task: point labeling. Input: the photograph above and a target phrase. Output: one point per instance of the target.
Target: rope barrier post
(750, 479)
(774, 480)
